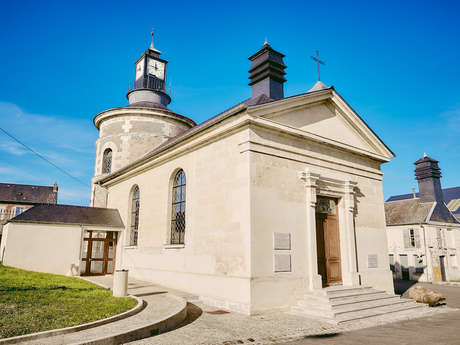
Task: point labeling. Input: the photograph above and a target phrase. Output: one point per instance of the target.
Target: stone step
(341, 300)
(376, 311)
(358, 306)
(324, 306)
(337, 301)
(350, 292)
(331, 290)
(347, 316)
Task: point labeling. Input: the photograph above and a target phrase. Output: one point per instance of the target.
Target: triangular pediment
(328, 116)
(322, 120)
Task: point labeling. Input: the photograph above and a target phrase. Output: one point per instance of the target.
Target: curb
(45, 334)
(150, 329)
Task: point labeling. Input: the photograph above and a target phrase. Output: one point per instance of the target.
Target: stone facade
(253, 174)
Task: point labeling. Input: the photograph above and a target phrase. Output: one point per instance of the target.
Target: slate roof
(69, 214)
(261, 99)
(27, 194)
(411, 211)
(451, 197)
(414, 211)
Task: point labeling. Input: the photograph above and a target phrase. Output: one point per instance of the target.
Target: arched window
(134, 227)
(178, 209)
(107, 161)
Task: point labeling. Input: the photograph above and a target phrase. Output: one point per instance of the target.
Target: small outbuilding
(62, 239)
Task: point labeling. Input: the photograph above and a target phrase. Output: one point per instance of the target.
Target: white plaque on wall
(282, 262)
(372, 261)
(281, 241)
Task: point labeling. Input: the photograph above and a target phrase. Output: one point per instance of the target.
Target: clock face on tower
(140, 69)
(156, 68)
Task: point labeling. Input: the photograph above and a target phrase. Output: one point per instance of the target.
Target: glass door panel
(96, 267)
(97, 251)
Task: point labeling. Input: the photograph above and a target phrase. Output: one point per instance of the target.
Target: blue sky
(396, 63)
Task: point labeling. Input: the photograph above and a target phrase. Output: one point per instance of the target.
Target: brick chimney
(267, 73)
(428, 175)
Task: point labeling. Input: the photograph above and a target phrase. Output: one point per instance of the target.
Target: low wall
(47, 248)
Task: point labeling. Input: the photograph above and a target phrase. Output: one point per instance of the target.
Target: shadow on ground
(322, 336)
(193, 313)
(401, 286)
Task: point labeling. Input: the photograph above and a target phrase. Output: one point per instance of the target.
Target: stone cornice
(141, 111)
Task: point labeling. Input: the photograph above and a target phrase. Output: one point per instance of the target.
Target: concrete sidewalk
(210, 326)
(161, 306)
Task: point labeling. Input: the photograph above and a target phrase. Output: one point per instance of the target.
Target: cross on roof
(318, 62)
(151, 44)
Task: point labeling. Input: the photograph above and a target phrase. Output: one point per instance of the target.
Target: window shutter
(417, 237)
(406, 238)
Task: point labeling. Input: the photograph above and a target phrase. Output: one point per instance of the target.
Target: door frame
(110, 236)
(345, 191)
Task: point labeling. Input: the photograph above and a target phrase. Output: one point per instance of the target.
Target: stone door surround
(343, 191)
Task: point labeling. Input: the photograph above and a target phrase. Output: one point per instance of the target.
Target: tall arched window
(107, 161)
(134, 227)
(178, 209)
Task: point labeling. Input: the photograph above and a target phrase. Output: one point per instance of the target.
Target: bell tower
(129, 132)
(150, 80)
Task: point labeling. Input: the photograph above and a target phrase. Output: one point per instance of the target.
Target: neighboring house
(423, 234)
(269, 201)
(16, 198)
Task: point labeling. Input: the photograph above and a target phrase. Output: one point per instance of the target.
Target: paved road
(442, 329)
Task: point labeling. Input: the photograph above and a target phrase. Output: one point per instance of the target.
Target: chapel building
(272, 200)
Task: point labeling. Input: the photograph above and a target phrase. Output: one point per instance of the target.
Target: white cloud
(13, 148)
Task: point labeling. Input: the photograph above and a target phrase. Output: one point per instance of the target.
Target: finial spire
(318, 62)
(151, 44)
(424, 154)
(266, 40)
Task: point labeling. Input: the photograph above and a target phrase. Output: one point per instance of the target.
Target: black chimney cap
(267, 73)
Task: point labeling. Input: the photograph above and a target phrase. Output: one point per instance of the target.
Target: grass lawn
(32, 302)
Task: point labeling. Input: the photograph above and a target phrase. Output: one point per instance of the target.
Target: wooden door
(99, 248)
(328, 241)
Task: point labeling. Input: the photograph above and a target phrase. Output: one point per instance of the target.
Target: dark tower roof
(267, 73)
(428, 175)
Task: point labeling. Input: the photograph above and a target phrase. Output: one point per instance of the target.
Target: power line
(42, 157)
